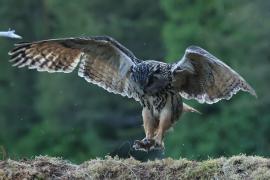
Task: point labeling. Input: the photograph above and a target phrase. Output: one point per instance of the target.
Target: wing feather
(48, 56)
(103, 61)
(202, 76)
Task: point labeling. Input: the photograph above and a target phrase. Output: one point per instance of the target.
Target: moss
(44, 167)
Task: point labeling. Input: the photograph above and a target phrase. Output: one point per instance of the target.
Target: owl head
(149, 77)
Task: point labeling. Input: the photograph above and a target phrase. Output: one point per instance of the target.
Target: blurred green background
(63, 115)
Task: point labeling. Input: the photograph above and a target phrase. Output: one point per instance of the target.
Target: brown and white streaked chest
(169, 103)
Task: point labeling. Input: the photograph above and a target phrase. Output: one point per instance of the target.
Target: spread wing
(102, 60)
(201, 76)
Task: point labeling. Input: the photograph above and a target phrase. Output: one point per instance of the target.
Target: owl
(159, 87)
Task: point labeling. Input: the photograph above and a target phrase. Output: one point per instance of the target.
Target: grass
(44, 167)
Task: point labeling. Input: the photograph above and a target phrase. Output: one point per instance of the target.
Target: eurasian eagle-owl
(158, 86)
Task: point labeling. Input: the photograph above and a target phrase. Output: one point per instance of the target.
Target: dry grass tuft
(44, 167)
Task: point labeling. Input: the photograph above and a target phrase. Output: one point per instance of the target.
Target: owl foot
(143, 145)
(147, 145)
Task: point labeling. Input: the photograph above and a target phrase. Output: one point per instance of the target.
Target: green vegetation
(62, 115)
(44, 167)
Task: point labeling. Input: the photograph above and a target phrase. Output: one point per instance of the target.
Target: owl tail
(187, 108)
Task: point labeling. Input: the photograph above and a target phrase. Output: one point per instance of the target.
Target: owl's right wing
(102, 60)
(201, 76)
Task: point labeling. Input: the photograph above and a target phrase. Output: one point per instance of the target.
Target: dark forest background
(63, 115)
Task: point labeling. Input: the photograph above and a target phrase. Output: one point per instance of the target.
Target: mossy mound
(44, 167)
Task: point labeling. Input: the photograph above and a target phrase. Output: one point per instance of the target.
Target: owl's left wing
(102, 60)
(201, 76)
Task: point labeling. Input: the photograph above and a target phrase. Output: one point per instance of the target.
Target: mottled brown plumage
(158, 86)
(201, 76)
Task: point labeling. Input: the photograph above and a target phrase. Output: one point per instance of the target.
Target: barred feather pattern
(201, 76)
(103, 61)
(95, 69)
(45, 56)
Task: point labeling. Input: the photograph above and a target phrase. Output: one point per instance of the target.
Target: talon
(138, 145)
(144, 145)
(145, 141)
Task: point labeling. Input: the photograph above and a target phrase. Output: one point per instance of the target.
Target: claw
(143, 145)
(147, 145)
(138, 146)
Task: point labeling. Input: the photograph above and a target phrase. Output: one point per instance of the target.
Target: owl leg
(149, 124)
(164, 124)
(150, 127)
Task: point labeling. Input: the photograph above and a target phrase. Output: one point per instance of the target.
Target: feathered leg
(150, 127)
(149, 123)
(165, 122)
